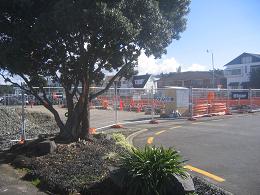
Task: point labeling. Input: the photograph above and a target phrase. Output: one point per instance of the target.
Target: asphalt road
(228, 148)
(99, 118)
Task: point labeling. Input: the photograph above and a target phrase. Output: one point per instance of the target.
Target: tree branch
(110, 82)
(43, 101)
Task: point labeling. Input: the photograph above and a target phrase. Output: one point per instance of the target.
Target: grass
(23, 170)
(36, 182)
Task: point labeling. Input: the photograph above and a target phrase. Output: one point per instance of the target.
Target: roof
(237, 60)
(190, 75)
(175, 87)
(139, 81)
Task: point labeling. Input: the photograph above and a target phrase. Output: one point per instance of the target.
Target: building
(196, 79)
(138, 84)
(146, 81)
(238, 70)
(138, 81)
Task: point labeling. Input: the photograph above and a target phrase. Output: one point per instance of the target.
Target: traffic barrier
(200, 110)
(117, 126)
(217, 109)
(92, 131)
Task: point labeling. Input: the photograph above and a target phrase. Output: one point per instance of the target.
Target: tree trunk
(73, 123)
(84, 134)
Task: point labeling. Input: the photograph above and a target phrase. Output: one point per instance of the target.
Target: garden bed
(84, 167)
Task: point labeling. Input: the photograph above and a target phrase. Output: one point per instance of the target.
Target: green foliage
(150, 170)
(121, 140)
(23, 170)
(255, 79)
(75, 42)
(36, 182)
(85, 37)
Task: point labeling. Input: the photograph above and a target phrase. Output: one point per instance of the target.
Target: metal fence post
(191, 102)
(23, 117)
(116, 116)
(250, 99)
(152, 103)
(228, 104)
(5, 99)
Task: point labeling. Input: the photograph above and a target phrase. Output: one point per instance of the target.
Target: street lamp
(212, 61)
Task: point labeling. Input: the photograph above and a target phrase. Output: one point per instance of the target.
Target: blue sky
(226, 27)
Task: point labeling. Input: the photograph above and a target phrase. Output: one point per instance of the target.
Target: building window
(139, 81)
(245, 69)
(246, 59)
(177, 83)
(197, 83)
(233, 72)
(236, 72)
(254, 68)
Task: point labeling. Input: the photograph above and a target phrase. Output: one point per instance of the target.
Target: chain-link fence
(126, 105)
(222, 101)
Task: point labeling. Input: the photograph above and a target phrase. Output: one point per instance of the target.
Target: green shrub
(150, 170)
(121, 140)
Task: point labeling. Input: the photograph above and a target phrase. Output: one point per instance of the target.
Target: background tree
(73, 42)
(255, 79)
(178, 70)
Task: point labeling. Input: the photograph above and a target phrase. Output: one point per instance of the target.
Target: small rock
(186, 183)
(118, 176)
(45, 147)
(21, 161)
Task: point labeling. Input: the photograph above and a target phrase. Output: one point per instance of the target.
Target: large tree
(75, 41)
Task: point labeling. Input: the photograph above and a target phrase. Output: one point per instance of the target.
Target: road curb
(130, 138)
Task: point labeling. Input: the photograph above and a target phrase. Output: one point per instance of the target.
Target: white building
(238, 70)
(138, 84)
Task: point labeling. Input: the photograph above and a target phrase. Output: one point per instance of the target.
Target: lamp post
(212, 62)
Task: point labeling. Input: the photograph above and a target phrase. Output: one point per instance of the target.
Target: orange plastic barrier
(105, 104)
(92, 130)
(200, 110)
(218, 109)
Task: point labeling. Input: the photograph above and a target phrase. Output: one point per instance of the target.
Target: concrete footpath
(11, 181)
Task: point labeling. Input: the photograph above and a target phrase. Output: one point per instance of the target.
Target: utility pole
(213, 73)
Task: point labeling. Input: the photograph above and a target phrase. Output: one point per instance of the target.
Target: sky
(225, 27)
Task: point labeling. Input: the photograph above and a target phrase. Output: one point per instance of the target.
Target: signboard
(239, 95)
(165, 99)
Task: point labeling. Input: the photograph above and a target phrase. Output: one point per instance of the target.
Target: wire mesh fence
(222, 101)
(125, 105)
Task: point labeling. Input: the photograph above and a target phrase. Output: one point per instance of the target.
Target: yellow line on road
(205, 173)
(150, 140)
(175, 127)
(158, 133)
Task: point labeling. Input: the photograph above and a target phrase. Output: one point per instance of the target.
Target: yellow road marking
(175, 127)
(158, 133)
(205, 173)
(197, 123)
(150, 140)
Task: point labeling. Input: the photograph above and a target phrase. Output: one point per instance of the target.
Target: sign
(165, 99)
(239, 95)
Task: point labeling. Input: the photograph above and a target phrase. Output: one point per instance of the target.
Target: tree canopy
(75, 41)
